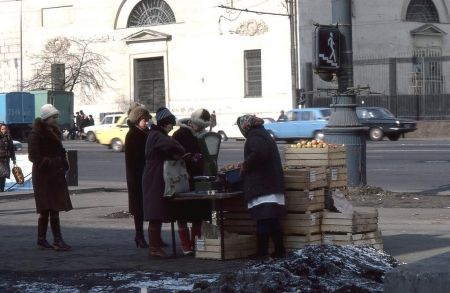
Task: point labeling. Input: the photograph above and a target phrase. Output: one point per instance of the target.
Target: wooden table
(218, 197)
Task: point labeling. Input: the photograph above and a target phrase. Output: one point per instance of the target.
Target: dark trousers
(2, 184)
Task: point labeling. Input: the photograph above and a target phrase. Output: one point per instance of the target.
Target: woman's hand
(185, 156)
(241, 171)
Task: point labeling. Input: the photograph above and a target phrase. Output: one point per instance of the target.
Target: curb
(21, 194)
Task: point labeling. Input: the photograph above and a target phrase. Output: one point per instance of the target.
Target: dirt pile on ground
(315, 268)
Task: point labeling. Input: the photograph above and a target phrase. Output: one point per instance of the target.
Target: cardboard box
(236, 247)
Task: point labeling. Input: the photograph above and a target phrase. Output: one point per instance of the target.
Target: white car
(228, 131)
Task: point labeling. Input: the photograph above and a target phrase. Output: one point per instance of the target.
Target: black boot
(42, 234)
(139, 227)
(278, 242)
(263, 247)
(58, 242)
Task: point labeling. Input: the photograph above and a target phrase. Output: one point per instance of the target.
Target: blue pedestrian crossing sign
(326, 48)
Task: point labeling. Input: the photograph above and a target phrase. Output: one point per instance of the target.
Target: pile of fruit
(230, 167)
(313, 144)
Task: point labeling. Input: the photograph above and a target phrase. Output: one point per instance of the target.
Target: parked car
(382, 123)
(114, 137)
(17, 145)
(268, 120)
(228, 131)
(302, 123)
(108, 121)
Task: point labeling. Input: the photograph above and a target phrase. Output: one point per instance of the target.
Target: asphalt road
(410, 165)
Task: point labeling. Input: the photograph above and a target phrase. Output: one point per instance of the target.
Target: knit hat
(137, 112)
(201, 117)
(48, 110)
(247, 122)
(164, 117)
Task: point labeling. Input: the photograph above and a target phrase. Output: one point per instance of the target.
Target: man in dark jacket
(263, 184)
(6, 153)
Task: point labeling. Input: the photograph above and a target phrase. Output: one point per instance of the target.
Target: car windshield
(326, 113)
(374, 113)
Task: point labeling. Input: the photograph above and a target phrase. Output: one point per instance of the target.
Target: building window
(253, 82)
(427, 76)
(422, 11)
(151, 12)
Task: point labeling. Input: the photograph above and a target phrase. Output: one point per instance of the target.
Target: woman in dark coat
(159, 147)
(6, 154)
(192, 211)
(263, 184)
(138, 117)
(46, 152)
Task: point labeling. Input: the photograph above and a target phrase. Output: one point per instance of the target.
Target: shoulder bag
(18, 175)
(176, 177)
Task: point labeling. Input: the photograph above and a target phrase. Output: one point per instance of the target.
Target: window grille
(427, 76)
(422, 11)
(151, 12)
(253, 82)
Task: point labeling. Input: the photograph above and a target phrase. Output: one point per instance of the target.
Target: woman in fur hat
(194, 211)
(159, 147)
(46, 152)
(263, 184)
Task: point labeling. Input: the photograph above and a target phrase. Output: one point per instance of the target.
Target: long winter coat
(196, 210)
(6, 151)
(158, 148)
(46, 152)
(134, 163)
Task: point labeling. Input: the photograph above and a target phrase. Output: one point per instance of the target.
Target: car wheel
(394, 136)
(117, 145)
(376, 134)
(318, 135)
(223, 135)
(91, 136)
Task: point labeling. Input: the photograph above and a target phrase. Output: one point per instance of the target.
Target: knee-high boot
(278, 242)
(58, 242)
(263, 246)
(139, 238)
(42, 234)
(154, 236)
(185, 241)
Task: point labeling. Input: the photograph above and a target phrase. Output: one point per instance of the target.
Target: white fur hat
(201, 117)
(48, 110)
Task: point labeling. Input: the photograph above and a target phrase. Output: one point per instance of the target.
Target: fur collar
(51, 132)
(183, 123)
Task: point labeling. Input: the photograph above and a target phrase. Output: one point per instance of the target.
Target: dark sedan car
(383, 123)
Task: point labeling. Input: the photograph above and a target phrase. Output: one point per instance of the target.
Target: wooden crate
(301, 224)
(300, 201)
(236, 247)
(337, 177)
(305, 178)
(355, 222)
(294, 242)
(374, 239)
(239, 222)
(315, 157)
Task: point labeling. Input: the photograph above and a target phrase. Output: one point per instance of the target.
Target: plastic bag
(176, 177)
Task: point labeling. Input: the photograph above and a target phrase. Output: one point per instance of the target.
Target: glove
(198, 160)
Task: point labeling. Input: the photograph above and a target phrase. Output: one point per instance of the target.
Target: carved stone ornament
(252, 28)
(59, 45)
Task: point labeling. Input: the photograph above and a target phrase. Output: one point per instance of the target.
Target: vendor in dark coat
(46, 152)
(192, 211)
(263, 184)
(159, 147)
(138, 117)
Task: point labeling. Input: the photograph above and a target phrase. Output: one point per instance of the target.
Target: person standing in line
(192, 211)
(6, 154)
(91, 120)
(263, 185)
(78, 123)
(213, 120)
(51, 194)
(283, 117)
(159, 147)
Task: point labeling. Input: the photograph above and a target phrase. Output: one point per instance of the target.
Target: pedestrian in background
(51, 194)
(282, 117)
(191, 211)
(78, 123)
(138, 117)
(6, 154)
(213, 120)
(263, 184)
(91, 120)
(72, 129)
(158, 148)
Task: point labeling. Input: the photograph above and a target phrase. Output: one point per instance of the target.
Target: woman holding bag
(159, 147)
(46, 152)
(6, 153)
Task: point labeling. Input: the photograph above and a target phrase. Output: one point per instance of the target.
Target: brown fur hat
(137, 112)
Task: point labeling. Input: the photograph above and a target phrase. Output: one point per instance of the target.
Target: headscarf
(247, 122)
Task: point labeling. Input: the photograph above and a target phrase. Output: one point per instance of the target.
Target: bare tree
(84, 69)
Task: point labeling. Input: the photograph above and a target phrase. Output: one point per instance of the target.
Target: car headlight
(397, 122)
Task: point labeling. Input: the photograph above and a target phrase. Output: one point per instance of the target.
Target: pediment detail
(428, 30)
(147, 35)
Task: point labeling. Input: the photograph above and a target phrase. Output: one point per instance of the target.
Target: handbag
(176, 177)
(18, 174)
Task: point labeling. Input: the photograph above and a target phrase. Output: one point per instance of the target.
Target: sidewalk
(107, 243)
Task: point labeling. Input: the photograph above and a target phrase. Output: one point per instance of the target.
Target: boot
(42, 234)
(263, 247)
(278, 242)
(154, 236)
(185, 241)
(140, 240)
(195, 232)
(58, 242)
